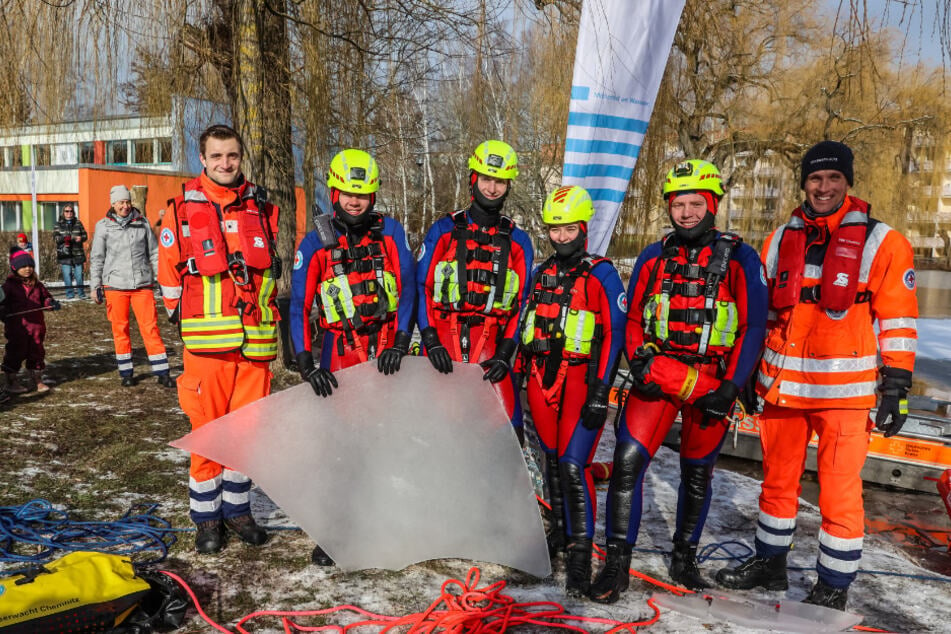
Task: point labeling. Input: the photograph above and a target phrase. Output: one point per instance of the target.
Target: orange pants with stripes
(142, 304)
(213, 385)
(843, 445)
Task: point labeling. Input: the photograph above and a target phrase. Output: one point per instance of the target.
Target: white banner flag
(623, 47)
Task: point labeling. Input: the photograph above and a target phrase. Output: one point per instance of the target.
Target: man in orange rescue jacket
(833, 271)
(218, 269)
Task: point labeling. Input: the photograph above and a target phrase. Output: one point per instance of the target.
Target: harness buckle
(191, 266)
(238, 269)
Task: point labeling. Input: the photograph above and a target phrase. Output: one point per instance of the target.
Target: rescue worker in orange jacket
(472, 276)
(833, 271)
(696, 322)
(358, 268)
(571, 332)
(218, 270)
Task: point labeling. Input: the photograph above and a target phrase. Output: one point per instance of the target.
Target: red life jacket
(687, 304)
(841, 262)
(373, 296)
(203, 232)
(481, 281)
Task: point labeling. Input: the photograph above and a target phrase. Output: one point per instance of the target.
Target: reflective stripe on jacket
(817, 358)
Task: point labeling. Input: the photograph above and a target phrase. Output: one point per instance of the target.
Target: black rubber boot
(614, 577)
(247, 529)
(578, 567)
(320, 558)
(166, 380)
(766, 572)
(557, 540)
(683, 566)
(210, 537)
(827, 596)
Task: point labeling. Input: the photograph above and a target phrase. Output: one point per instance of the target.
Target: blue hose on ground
(46, 530)
(709, 551)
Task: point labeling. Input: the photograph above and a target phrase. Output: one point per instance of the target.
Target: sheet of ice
(390, 471)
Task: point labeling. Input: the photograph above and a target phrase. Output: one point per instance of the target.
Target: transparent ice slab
(390, 470)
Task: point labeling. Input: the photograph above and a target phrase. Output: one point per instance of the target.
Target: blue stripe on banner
(580, 93)
(576, 170)
(612, 195)
(593, 146)
(607, 121)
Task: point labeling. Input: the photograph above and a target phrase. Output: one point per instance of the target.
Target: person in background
(69, 236)
(218, 268)
(24, 325)
(842, 300)
(24, 244)
(571, 333)
(123, 264)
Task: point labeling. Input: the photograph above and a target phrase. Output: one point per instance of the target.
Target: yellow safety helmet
(496, 159)
(354, 171)
(566, 205)
(693, 175)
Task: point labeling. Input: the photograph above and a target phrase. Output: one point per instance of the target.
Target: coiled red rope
(462, 607)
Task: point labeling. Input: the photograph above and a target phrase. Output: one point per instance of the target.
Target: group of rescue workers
(692, 326)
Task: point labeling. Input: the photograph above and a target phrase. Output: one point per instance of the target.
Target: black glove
(595, 411)
(497, 368)
(893, 406)
(437, 353)
(323, 381)
(55, 305)
(719, 403)
(389, 360)
(100, 295)
(638, 365)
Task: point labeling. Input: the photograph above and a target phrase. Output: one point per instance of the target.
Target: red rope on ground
(461, 607)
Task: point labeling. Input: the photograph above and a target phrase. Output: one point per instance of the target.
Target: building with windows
(78, 162)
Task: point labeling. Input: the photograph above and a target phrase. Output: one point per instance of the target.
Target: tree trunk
(262, 112)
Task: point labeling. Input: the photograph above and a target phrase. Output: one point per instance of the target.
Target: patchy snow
(888, 602)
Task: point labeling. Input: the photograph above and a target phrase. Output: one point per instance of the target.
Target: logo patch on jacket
(167, 238)
(909, 279)
(622, 302)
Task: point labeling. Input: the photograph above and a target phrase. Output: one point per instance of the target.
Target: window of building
(49, 214)
(117, 152)
(11, 156)
(142, 151)
(42, 155)
(163, 150)
(87, 152)
(10, 215)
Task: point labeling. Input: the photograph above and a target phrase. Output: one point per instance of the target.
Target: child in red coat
(24, 324)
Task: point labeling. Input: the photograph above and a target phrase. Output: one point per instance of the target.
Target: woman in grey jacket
(123, 265)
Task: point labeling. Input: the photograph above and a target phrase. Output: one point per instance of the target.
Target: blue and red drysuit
(571, 331)
(717, 329)
(472, 319)
(380, 270)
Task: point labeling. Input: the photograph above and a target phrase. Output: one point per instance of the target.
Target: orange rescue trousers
(142, 303)
(210, 387)
(843, 444)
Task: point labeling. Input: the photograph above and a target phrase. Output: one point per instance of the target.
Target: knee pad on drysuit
(693, 500)
(630, 463)
(575, 488)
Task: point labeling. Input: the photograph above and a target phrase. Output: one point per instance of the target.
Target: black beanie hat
(827, 155)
